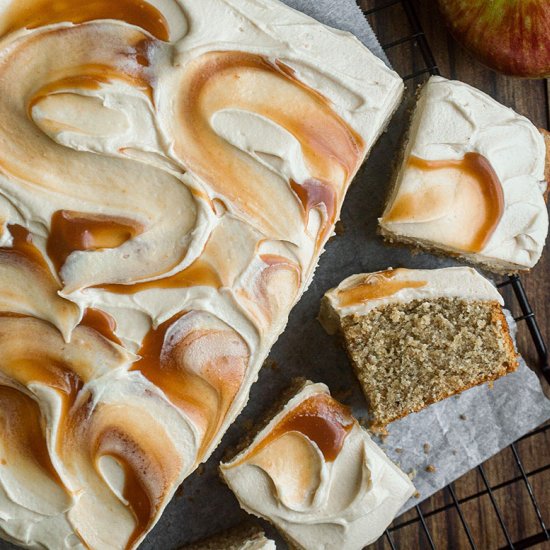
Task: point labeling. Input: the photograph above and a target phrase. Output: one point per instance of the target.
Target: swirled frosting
(169, 174)
(359, 294)
(317, 476)
(472, 181)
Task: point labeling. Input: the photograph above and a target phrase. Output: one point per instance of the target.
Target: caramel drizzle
(149, 464)
(477, 167)
(101, 322)
(332, 150)
(23, 246)
(199, 273)
(204, 391)
(320, 418)
(92, 76)
(21, 422)
(142, 502)
(314, 194)
(32, 14)
(375, 287)
(72, 231)
(46, 371)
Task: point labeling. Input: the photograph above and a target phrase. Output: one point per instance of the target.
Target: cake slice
(242, 537)
(316, 475)
(416, 337)
(472, 182)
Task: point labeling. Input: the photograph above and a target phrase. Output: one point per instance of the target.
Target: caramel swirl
(143, 232)
(136, 444)
(321, 419)
(32, 14)
(72, 231)
(478, 191)
(234, 80)
(375, 287)
(30, 287)
(199, 363)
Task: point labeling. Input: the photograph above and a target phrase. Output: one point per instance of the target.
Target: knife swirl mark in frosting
(219, 81)
(169, 173)
(98, 186)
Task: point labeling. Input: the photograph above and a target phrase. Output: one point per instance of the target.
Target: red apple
(509, 36)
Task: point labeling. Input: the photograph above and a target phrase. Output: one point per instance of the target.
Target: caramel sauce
(101, 322)
(200, 273)
(313, 194)
(32, 14)
(21, 423)
(321, 419)
(92, 75)
(135, 492)
(205, 390)
(332, 149)
(72, 231)
(23, 246)
(479, 170)
(379, 285)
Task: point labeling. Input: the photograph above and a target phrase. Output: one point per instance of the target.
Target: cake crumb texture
(409, 355)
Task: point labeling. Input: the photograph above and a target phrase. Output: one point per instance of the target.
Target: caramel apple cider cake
(472, 182)
(317, 476)
(417, 336)
(169, 174)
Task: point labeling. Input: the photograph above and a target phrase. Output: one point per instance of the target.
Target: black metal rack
(429, 67)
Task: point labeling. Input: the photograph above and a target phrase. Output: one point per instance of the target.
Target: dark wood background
(532, 99)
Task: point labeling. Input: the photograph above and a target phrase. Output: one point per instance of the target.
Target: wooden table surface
(532, 99)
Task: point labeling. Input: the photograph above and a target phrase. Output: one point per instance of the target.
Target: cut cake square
(472, 182)
(316, 475)
(416, 337)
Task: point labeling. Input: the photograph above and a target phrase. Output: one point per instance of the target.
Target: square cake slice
(472, 182)
(416, 337)
(317, 476)
(241, 537)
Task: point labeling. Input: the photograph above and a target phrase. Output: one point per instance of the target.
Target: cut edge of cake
(245, 536)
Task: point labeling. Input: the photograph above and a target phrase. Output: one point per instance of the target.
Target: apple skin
(509, 36)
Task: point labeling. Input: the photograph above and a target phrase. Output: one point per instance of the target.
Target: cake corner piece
(416, 337)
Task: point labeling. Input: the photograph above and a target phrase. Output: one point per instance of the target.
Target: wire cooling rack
(419, 71)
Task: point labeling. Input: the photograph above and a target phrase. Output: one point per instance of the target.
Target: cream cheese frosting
(317, 476)
(472, 181)
(359, 294)
(169, 175)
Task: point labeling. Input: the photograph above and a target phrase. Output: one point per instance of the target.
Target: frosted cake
(418, 336)
(169, 175)
(472, 182)
(317, 476)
